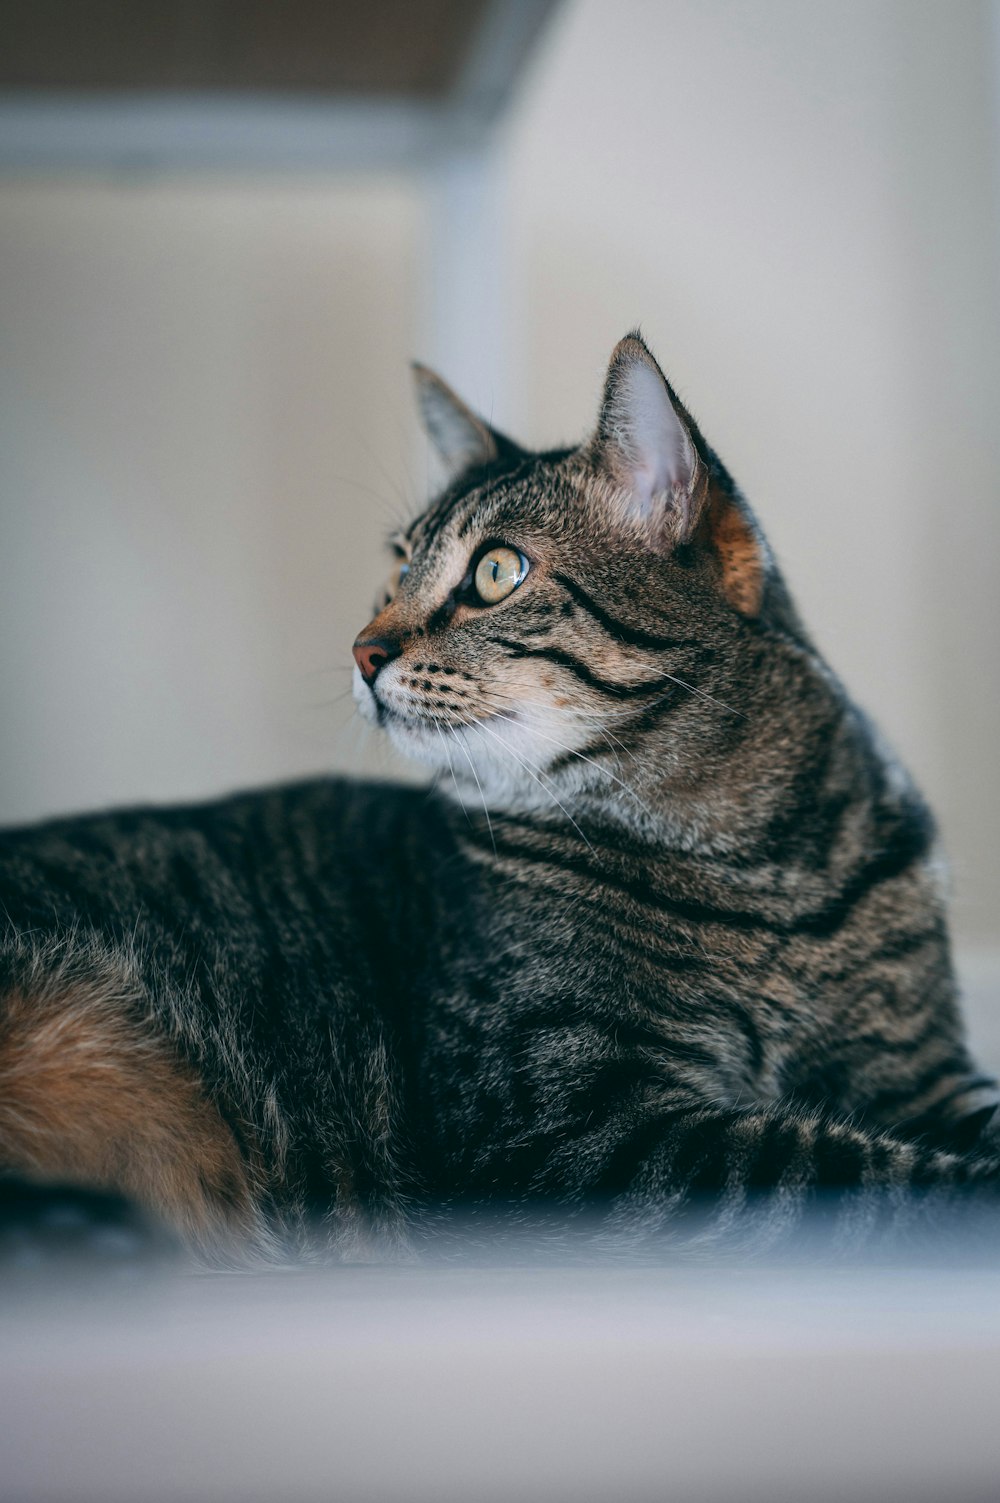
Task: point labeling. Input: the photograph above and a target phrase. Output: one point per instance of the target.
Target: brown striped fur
(667, 932)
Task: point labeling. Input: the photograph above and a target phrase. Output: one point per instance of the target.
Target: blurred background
(227, 227)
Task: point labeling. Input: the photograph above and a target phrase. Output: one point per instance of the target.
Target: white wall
(205, 432)
(797, 201)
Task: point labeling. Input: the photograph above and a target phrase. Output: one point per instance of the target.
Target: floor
(498, 1384)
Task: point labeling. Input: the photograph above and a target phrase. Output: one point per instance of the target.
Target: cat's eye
(392, 584)
(498, 573)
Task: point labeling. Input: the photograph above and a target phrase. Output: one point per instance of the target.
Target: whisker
(451, 769)
(590, 718)
(570, 710)
(537, 775)
(571, 751)
(661, 673)
(391, 508)
(693, 689)
(327, 704)
(330, 668)
(489, 823)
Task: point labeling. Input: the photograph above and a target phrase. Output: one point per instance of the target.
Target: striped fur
(667, 933)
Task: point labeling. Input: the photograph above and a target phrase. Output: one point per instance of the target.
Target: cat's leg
(91, 1093)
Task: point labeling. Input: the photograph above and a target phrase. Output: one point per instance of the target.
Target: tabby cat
(665, 934)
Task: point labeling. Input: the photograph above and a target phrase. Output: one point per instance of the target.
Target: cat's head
(558, 620)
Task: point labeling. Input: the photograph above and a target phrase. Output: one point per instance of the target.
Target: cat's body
(679, 933)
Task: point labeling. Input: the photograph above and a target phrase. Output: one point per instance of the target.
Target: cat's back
(311, 836)
(252, 915)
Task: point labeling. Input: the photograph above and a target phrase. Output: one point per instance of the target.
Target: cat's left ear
(461, 438)
(645, 444)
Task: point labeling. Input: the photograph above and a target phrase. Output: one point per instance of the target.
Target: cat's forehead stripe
(463, 508)
(425, 529)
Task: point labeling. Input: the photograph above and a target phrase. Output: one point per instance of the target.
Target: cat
(662, 948)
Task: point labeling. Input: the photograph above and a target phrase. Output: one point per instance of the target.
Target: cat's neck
(770, 799)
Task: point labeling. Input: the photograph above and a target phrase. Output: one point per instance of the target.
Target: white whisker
(489, 823)
(451, 769)
(692, 689)
(537, 775)
(571, 751)
(591, 720)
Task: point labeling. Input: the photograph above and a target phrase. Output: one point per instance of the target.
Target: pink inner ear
(643, 443)
(656, 457)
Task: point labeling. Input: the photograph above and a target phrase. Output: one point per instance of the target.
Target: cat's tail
(777, 1179)
(765, 1183)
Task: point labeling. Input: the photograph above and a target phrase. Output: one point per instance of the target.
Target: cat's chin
(451, 749)
(427, 744)
(434, 745)
(475, 765)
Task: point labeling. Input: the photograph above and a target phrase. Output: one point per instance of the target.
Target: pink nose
(371, 656)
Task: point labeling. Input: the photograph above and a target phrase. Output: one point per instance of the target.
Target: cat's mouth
(421, 720)
(411, 717)
(438, 742)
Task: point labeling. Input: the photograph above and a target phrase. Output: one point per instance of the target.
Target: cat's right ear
(461, 438)
(648, 446)
(643, 444)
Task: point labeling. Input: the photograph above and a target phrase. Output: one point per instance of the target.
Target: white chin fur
(362, 697)
(503, 758)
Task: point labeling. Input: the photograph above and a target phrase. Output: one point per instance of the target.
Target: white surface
(573, 1384)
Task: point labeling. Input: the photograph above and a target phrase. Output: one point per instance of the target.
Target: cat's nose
(372, 655)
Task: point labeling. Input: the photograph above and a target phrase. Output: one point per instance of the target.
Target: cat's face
(550, 617)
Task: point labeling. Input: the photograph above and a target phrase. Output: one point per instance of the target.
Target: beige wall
(205, 432)
(797, 201)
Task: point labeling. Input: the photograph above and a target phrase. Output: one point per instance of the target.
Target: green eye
(498, 573)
